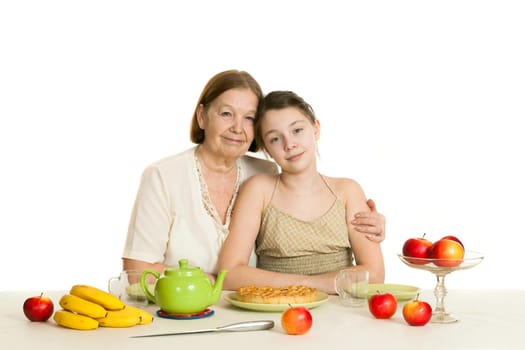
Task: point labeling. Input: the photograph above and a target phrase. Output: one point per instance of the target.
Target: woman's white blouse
(169, 221)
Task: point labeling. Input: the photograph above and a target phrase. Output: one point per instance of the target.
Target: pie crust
(277, 295)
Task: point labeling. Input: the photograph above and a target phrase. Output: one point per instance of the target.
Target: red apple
(38, 308)
(296, 320)
(382, 305)
(417, 248)
(448, 253)
(454, 238)
(417, 313)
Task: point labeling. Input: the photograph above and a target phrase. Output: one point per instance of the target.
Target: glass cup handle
(111, 284)
(337, 288)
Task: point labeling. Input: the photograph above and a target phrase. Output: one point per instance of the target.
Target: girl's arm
(367, 253)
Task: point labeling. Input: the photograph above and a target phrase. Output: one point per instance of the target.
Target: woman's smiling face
(228, 122)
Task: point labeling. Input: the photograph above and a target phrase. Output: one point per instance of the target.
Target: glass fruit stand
(440, 268)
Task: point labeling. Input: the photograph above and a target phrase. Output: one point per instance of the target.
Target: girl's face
(290, 138)
(228, 122)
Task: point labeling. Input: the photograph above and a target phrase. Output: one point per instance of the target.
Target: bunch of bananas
(87, 307)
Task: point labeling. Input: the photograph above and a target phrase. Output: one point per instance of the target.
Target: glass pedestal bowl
(440, 268)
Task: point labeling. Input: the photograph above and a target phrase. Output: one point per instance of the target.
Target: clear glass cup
(127, 288)
(352, 287)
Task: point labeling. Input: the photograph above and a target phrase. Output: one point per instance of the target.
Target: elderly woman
(185, 201)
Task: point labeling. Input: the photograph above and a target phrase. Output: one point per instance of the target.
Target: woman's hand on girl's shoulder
(372, 223)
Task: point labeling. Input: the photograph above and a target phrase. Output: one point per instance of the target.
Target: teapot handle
(144, 285)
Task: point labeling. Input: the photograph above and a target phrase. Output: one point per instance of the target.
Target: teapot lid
(184, 270)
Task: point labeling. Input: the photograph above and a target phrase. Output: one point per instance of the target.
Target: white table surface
(488, 320)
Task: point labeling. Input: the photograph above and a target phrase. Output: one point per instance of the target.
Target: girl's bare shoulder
(342, 184)
(260, 181)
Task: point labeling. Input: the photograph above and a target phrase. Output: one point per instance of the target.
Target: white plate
(232, 299)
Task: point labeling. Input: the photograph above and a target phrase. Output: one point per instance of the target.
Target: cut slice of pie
(277, 295)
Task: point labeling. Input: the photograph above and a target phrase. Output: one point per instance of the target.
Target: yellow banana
(69, 319)
(98, 296)
(144, 316)
(119, 319)
(81, 306)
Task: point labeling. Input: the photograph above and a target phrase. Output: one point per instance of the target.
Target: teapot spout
(217, 287)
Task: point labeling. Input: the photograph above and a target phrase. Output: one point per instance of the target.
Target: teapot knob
(183, 263)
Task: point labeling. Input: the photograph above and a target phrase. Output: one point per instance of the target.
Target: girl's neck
(301, 183)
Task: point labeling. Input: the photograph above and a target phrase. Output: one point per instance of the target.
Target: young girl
(298, 220)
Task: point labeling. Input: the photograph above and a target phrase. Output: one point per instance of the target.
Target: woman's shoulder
(255, 165)
(172, 163)
(184, 156)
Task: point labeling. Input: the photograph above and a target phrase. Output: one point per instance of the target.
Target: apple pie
(277, 295)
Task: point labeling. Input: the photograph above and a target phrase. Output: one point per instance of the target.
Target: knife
(235, 327)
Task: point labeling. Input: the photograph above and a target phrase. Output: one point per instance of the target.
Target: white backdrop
(420, 101)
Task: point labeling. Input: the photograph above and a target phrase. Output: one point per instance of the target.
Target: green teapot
(183, 290)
